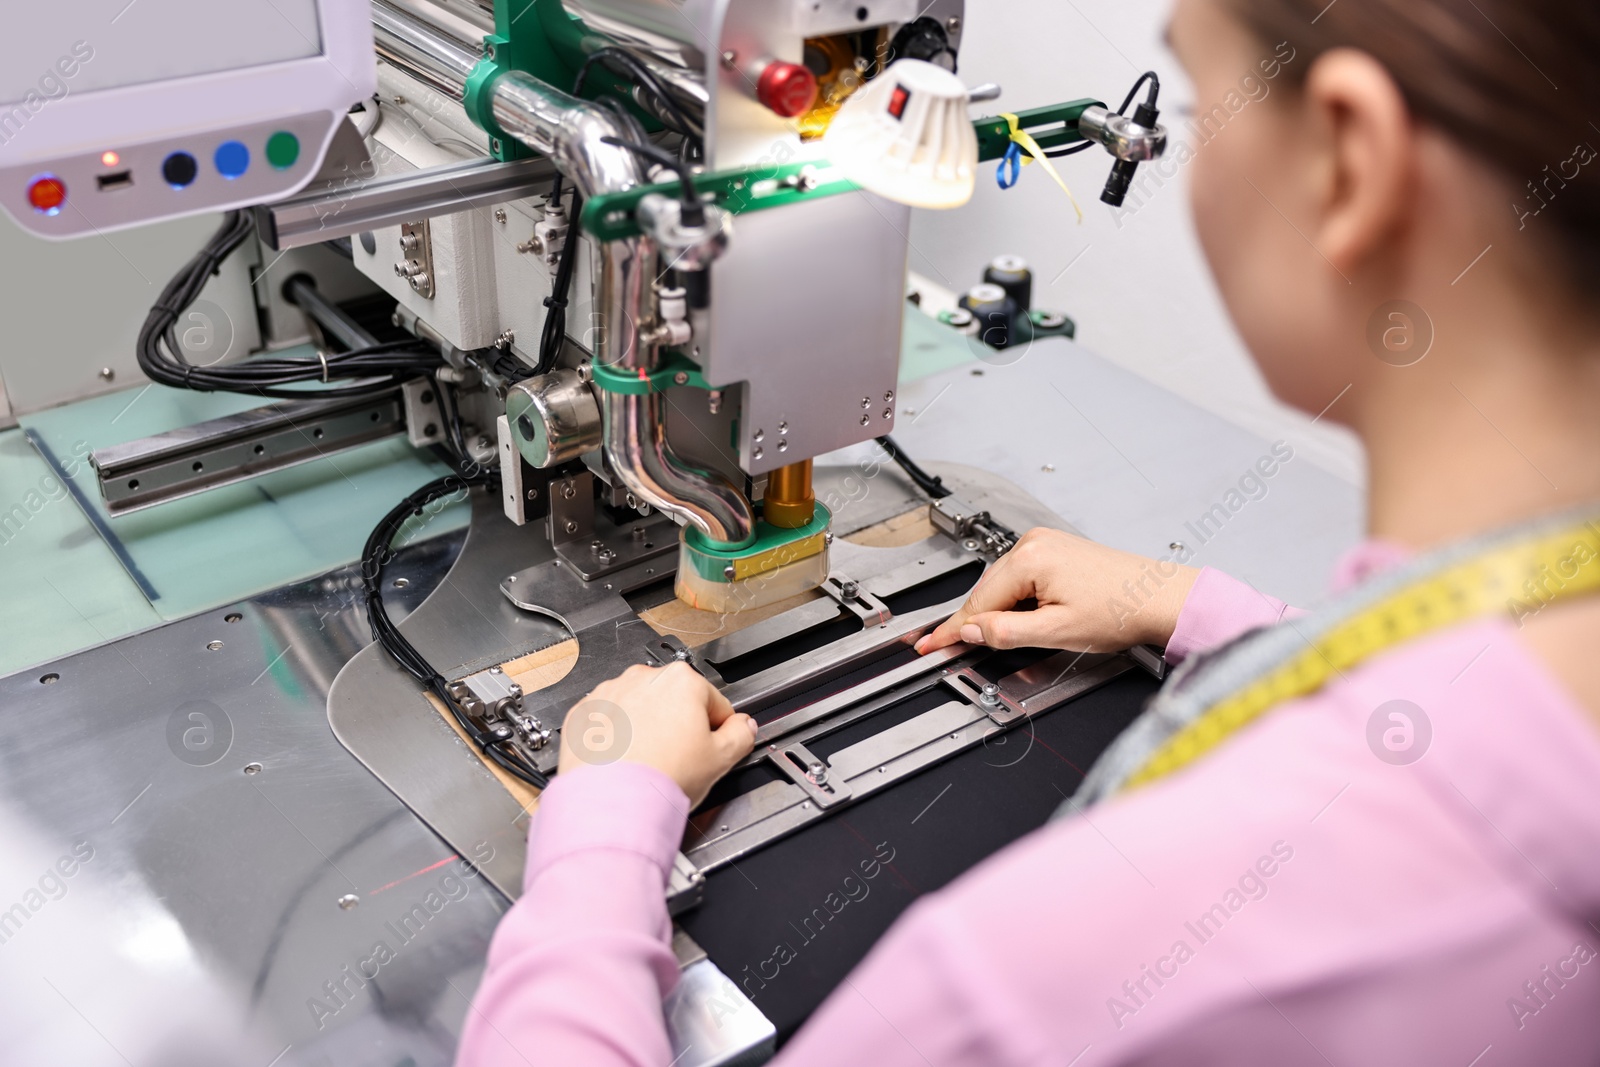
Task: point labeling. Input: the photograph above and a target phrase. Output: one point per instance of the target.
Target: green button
(283, 148)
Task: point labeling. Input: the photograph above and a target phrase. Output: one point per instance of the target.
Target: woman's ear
(1368, 149)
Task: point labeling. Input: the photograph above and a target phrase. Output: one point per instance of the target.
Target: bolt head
(571, 527)
(729, 573)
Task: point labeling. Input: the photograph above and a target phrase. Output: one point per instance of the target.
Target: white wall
(1134, 280)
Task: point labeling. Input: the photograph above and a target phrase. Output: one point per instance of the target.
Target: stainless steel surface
(227, 825)
(234, 448)
(711, 1019)
(378, 712)
(555, 417)
(351, 206)
(816, 327)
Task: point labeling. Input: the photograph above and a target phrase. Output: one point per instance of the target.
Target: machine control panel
(171, 107)
(121, 184)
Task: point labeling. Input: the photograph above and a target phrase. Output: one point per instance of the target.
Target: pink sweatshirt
(1296, 897)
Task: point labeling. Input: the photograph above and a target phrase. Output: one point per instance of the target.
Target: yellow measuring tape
(1559, 566)
(1025, 141)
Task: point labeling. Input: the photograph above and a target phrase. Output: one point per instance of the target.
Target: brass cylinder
(789, 502)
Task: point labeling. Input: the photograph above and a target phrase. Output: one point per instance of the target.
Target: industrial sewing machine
(630, 267)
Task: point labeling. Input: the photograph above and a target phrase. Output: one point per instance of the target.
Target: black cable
(555, 319)
(374, 555)
(643, 75)
(1150, 101)
(929, 484)
(694, 210)
(379, 367)
(1074, 150)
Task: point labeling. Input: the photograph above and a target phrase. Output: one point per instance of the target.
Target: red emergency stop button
(788, 89)
(47, 193)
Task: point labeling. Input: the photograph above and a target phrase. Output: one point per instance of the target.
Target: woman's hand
(669, 718)
(1090, 597)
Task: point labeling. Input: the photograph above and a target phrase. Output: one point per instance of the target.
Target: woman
(1387, 850)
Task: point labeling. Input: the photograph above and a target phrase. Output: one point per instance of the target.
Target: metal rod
(301, 291)
(352, 207)
(425, 51)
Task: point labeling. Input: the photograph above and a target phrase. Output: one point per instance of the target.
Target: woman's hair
(1515, 82)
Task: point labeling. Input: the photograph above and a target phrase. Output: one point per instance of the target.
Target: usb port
(120, 180)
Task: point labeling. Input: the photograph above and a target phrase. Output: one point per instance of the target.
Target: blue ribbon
(1012, 163)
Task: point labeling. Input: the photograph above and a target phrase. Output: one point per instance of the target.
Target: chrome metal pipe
(426, 51)
(636, 426)
(571, 133)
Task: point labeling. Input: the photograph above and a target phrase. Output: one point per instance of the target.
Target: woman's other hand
(1090, 598)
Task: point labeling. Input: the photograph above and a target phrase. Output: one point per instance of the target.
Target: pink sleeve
(579, 965)
(1219, 609)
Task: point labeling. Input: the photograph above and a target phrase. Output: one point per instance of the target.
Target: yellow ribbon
(1025, 140)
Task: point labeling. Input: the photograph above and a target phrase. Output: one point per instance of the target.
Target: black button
(179, 169)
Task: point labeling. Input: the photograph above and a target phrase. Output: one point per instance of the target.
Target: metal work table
(242, 860)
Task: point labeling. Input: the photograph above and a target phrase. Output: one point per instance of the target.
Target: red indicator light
(110, 159)
(787, 89)
(898, 101)
(47, 194)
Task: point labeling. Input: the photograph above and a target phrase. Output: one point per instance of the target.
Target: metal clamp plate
(988, 696)
(810, 773)
(850, 595)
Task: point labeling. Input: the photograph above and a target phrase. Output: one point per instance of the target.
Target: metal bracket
(572, 509)
(595, 551)
(848, 592)
(975, 529)
(416, 257)
(424, 423)
(1153, 660)
(988, 696)
(669, 648)
(994, 133)
(686, 887)
(524, 488)
(810, 773)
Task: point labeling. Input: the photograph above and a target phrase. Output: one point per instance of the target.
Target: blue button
(232, 159)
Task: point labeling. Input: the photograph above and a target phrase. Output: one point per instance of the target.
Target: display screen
(51, 48)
